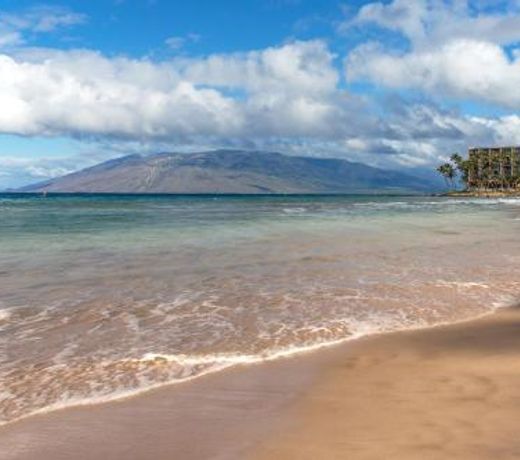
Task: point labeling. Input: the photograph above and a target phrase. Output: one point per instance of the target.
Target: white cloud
(430, 23)
(289, 97)
(177, 43)
(84, 93)
(16, 170)
(466, 69)
(35, 20)
(291, 90)
(455, 50)
(301, 67)
(404, 16)
(9, 37)
(505, 130)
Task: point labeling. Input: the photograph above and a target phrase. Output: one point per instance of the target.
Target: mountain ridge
(230, 171)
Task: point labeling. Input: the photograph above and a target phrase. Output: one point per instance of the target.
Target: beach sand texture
(441, 393)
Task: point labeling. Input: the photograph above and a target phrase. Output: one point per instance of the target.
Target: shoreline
(241, 361)
(482, 194)
(255, 402)
(440, 393)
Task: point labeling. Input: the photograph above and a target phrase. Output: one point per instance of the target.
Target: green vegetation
(448, 172)
(485, 170)
(455, 171)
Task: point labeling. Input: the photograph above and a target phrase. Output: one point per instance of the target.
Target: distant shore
(484, 193)
(445, 392)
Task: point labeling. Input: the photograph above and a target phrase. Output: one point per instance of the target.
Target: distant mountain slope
(230, 171)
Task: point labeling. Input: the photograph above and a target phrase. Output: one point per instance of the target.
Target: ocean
(110, 295)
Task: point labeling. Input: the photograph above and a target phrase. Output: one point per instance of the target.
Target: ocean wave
(294, 210)
(181, 368)
(185, 302)
(463, 284)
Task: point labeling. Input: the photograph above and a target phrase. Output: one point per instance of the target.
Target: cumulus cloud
(504, 130)
(455, 50)
(466, 69)
(287, 97)
(429, 23)
(84, 93)
(290, 97)
(290, 90)
(296, 67)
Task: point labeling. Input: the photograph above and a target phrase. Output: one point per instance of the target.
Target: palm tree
(457, 166)
(448, 173)
(486, 169)
(502, 160)
(513, 165)
(471, 176)
(457, 160)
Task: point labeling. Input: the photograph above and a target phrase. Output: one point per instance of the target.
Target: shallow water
(108, 295)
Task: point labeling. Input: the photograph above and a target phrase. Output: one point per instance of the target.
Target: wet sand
(442, 393)
(219, 416)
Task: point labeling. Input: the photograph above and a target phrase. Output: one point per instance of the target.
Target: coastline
(441, 393)
(389, 395)
(483, 194)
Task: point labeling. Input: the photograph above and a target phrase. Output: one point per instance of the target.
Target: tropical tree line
(496, 169)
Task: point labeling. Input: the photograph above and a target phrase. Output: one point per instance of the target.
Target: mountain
(230, 171)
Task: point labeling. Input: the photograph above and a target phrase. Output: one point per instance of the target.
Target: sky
(398, 84)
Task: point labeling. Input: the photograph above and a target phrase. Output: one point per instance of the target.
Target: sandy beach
(260, 230)
(440, 393)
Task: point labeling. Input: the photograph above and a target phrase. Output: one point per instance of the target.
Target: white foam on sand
(4, 315)
(212, 363)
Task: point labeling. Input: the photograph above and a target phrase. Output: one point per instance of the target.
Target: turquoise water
(102, 296)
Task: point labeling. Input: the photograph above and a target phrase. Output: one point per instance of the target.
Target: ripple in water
(120, 295)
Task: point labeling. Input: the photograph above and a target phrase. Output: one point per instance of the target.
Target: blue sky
(398, 84)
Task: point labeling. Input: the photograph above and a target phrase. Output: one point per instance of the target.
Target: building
(493, 168)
